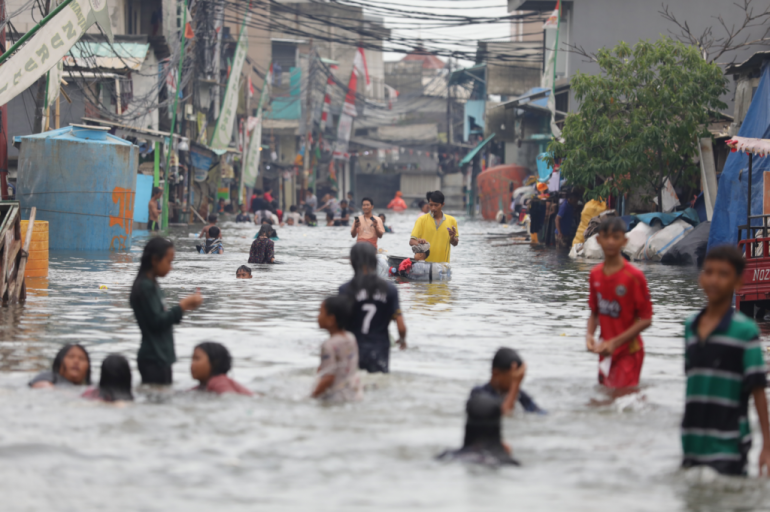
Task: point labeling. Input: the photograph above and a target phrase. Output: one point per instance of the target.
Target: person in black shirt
(483, 443)
(244, 215)
(156, 322)
(507, 373)
(375, 306)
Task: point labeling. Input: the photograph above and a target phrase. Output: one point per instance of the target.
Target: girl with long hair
(156, 353)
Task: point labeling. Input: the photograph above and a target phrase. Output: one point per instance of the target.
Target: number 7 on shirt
(370, 309)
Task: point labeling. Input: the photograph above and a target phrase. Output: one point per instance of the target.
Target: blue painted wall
(143, 195)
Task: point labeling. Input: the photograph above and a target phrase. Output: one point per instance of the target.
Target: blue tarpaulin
(732, 194)
(664, 219)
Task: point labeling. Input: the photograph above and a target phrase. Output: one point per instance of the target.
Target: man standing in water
(437, 229)
(367, 227)
(154, 211)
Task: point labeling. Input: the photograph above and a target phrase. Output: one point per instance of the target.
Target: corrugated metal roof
(103, 55)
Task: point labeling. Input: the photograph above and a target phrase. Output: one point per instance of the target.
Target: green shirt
(155, 321)
(722, 371)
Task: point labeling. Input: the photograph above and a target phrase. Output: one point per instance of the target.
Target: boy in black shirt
(508, 371)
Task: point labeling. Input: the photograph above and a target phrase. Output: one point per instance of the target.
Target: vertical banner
(549, 76)
(223, 132)
(349, 108)
(251, 161)
(50, 44)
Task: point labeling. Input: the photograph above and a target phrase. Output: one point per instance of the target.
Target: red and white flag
(345, 125)
(188, 30)
(553, 19)
(251, 88)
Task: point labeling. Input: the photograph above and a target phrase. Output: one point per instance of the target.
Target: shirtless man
(153, 224)
(367, 227)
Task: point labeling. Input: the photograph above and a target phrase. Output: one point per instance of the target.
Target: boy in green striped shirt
(724, 366)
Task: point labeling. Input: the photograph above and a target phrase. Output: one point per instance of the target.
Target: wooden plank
(19, 282)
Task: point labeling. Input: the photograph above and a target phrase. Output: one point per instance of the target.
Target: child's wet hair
(214, 232)
(612, 225)
(341, 308)
(212, 218)
(504, 358)
(243, 268)
(219, 357)
(729, 254)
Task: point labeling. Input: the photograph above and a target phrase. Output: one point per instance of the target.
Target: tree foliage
(639, 119)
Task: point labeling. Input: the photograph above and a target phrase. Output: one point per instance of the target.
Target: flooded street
(284, 451)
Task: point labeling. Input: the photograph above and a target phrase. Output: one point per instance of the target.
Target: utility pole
(218, 27)
(3, 121)
(310, 125)
(449, 137)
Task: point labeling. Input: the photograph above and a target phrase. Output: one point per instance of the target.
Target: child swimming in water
(210, 364)
(263, 249)
(212, 223)
(115, 381)
(214, 243)
(338, 372)
(388, 229)
(243, 272)
(71, 367)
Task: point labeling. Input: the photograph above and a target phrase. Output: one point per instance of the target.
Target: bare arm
(324, 383)
(760, 401)
(513, 393)
(558, 225)
(453, 238)
(354, 228)
(401, 325)
(593, 323)
(608, 347)
(379, 227)
(417, 241)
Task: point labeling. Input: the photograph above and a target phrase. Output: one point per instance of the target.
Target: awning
(538, 93)
(103, 55)
(473, 152)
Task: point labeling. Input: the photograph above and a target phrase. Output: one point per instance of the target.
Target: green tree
(639, 119)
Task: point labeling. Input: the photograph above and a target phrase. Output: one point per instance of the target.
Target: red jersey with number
(619, 300)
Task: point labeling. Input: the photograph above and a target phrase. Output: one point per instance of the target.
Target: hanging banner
(251, 162)
(223, 132)
(345, 125)
(549, 76)
(50, 44)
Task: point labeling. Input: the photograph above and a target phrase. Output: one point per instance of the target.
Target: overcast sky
(465, 37)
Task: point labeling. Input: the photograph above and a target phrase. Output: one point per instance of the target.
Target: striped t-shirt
(722, 371)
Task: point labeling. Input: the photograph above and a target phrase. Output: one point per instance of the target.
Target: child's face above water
(200, 367)
(163, 266)
(420, 256)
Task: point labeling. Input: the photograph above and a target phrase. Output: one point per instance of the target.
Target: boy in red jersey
(620, 304)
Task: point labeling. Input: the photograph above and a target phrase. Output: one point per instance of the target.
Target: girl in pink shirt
(210, 364)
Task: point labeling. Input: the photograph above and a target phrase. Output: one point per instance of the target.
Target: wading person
(154, 210)
(210, 364)
(505, 383)
(263, 249)
(397, 204)
(243, 272)
(367, 228)
(338, 372)
(565, 221)
(437, 229)
(212, 224)
(71, 367)
(375, 305)
(114, 382)
(156, 353)
(724, 366)
(620, 304)
(483, 441)
(213, 243)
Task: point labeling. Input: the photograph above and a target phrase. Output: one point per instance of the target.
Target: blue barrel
(82, 181)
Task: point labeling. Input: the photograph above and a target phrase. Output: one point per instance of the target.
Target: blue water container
(82, 181)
